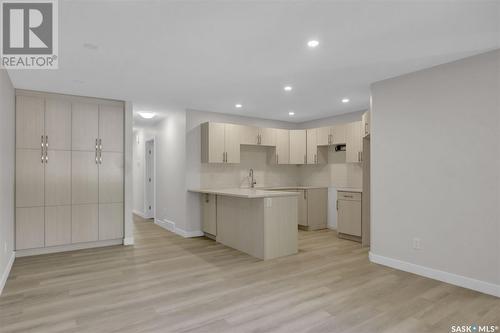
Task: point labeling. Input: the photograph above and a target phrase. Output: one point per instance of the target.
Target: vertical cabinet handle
(337, 205)
(305, 195)
(96, 151)
(46, 149)
(42, 150)
(207, 198)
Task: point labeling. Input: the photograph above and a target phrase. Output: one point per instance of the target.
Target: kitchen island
(260, 223)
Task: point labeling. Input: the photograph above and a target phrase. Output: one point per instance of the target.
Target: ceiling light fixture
(287, 88)
(291, 113)
(312, 43)
(345, 100)
(147, 115)
(238, 106)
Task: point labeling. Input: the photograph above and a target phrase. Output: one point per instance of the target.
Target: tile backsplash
(335, 174)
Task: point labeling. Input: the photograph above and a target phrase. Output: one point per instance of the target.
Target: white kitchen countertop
(350, 189)
(280, 188)
(245, 193)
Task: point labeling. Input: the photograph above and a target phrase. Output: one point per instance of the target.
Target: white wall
(7, 151)
(435, 172)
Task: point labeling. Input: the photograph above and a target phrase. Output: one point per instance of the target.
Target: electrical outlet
(416, 244)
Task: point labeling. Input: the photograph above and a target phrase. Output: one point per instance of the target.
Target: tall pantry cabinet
(69, 171)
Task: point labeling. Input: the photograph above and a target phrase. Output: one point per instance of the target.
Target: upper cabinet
(298, 147)
(251, 135)
(220, 143)
(332, 135)
(281, 154)
(354, 144)
(316, 154)
(366, 123)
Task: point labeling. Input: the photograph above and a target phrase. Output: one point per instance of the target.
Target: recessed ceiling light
(312, 43)
(345, 100)
(238, 106)
(291, 113)
(147, 115)
(287, 88)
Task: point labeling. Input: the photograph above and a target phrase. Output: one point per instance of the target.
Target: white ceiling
(209, 55)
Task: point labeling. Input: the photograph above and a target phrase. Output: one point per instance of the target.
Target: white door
(84, 178)
(29, 178)
(149, 181)
(58, 124)
(111, 178)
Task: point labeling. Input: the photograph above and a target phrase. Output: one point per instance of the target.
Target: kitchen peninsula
(260, 223)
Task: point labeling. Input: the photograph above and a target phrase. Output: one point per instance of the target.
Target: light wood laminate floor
(166, 283)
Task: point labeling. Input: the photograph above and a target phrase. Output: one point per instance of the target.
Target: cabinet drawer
(355, 196)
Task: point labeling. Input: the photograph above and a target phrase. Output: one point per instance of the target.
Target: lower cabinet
(110, 221)
(57, 225)
(349, 215)
(30, 228)
(84, 223)
(209, 214)
(315, 203)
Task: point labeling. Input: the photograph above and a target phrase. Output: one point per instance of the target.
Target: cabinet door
(111, 128)
(302, 208)
(323, 136)
(29, 122)
(354, 142)
(29, 178)
(57, 225)
(216, 148)
(84, 126)
(58, 178)
(317, 208)
(339, 134)
(312, 147)
(268, 137)
(232, 143)
(84, 223)
(249, 135)
(30, 227)
(282, 146)
(84, 178)
(298, 147)
(209, 213)
(58, 124)
(349, 217)
(110, 221)
(111, 178)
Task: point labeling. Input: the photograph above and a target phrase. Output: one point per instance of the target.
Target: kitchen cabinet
(69, 171)
(354, 142)
(209, 214)
(251, 135)
(281, 153)
(332, 135)
(298, 146)
(312, 206)
(349, 215)
(220, 143)
(366, 123)
(315, 154)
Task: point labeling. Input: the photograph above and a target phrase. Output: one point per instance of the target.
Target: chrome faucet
(253, 182)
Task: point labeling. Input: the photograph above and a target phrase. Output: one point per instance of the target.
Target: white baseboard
(170, 226)
(458, 280)
(6, 272)
(69, 247)
(128, 241)
(140, 214)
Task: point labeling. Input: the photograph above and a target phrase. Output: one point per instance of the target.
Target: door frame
(146, 215)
